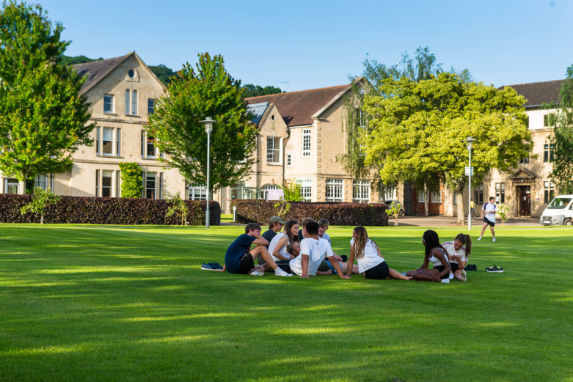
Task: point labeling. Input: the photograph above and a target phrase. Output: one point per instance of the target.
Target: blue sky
(299, 45)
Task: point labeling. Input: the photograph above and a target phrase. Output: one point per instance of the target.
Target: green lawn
(114, 303)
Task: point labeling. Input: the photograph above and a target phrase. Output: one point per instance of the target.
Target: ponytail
(466, 241)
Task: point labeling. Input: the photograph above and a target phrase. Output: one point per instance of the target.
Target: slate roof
(539, 93)
(297, 108)
(97, 70)
(257, 109)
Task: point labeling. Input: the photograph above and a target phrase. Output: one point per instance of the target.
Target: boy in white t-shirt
(312, 252)
(488, 212)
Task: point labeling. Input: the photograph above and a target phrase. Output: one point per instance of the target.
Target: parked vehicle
(559, 211)
(392, 203)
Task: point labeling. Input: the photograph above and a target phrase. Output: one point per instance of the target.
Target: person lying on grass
(312, 253)
(239, 257)
(435, 254)
(370, 260)
(458, 252)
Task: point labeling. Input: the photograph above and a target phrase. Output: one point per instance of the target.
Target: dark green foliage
(260, 211)
(131, 180)
(562, 138)
(73, 60)
(162, 72)
(205, 91)
(41, 200)
(257, 90)
(84, 210)
(43, 119)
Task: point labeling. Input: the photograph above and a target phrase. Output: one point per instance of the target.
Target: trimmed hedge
(89, 210)
(260, 211)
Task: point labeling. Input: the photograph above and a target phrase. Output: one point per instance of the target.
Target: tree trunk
(426, 198)
(460, 206)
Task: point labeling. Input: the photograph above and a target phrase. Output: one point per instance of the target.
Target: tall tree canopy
(43, 118)
(206, 91)
(562, 139)
(257, 90)
(419, 128)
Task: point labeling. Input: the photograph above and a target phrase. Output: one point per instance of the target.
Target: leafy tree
(131, 180)
(177, 206)
(418, 129)
(292, 192)
(207, 91)
(257, 90)
(43, 119)
(162, 72)
(562, 138)
(41, 199)
(73, 60)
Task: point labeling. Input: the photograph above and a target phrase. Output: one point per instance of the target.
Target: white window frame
(150, 106)
(134, 102)
(196, 192)
(158, 187)
(334, 190)
(265, 189)
(361, 191)
(127, 102)
(45, 182)
(305, 188)
(436, 197)
(10, 183)
(389, 193)
(115, 142)
(421, 196)
(114, 189)
(111, 103)
(548, 191)
(273, 150)
(306, 142)
(145, 147)
(500, 192)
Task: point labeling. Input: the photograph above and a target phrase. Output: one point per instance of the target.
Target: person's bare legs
(492, 232)
(425, 275)
(397, 275)
(262, 250)
(344, 267)
(482, 230)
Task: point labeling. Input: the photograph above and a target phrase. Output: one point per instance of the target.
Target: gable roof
(96, 71)
(539, 93)
(298, 108)
(257, 110)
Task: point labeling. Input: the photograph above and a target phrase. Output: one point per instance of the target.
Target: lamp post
(208, 122)
(469, 141)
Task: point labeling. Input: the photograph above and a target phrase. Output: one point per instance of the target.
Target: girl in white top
(369, 258)
(436, 255)
(278, 246)
(458, 252)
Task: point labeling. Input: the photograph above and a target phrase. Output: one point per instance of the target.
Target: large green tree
(418, 129)
(562, 138)
(205, 91)
(43, 117)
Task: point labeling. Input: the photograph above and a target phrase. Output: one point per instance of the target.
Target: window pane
(334, 190)
(134, 102)
(273, 149)
(97, 140)
(118, 142)
(305, 188)
(150, 106)
(361, 191)
(11, 186)
(150, 181)
(306, 142)
(107, 140)
(106, 183)
(127, 100)
(108, 103)
(150, 146)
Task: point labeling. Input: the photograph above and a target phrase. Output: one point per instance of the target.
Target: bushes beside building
(353, 214)
(87, 210)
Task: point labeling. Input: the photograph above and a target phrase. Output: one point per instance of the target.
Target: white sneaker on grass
(257, 273)
(445, 281)
(281, 273)
(493, 239)
(479, 238)
(464, 276)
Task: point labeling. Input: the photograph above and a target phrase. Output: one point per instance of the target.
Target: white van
(559, 211)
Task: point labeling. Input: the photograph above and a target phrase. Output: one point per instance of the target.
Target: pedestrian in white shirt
(488, 212)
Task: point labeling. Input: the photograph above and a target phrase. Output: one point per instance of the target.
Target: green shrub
(131, 180)
(41, 200)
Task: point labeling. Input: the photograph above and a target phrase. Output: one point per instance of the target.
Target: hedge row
(353, 214)
(84, 210)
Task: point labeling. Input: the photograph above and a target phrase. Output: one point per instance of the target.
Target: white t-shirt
(316, 250)
(275, 242)
(370, 258)
(436, 262)
(449, 246)
(489, 211)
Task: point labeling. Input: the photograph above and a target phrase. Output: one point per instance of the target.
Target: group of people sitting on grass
(307, 251)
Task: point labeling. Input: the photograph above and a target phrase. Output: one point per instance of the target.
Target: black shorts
(284, 265)
(247, 264)
(454, 266)
(379, 272)
(488, 222)
(441, 269)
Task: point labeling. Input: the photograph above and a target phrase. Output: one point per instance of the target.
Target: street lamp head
(469, 141)
(208, 122)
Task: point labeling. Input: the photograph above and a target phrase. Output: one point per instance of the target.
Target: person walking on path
(488, 212)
